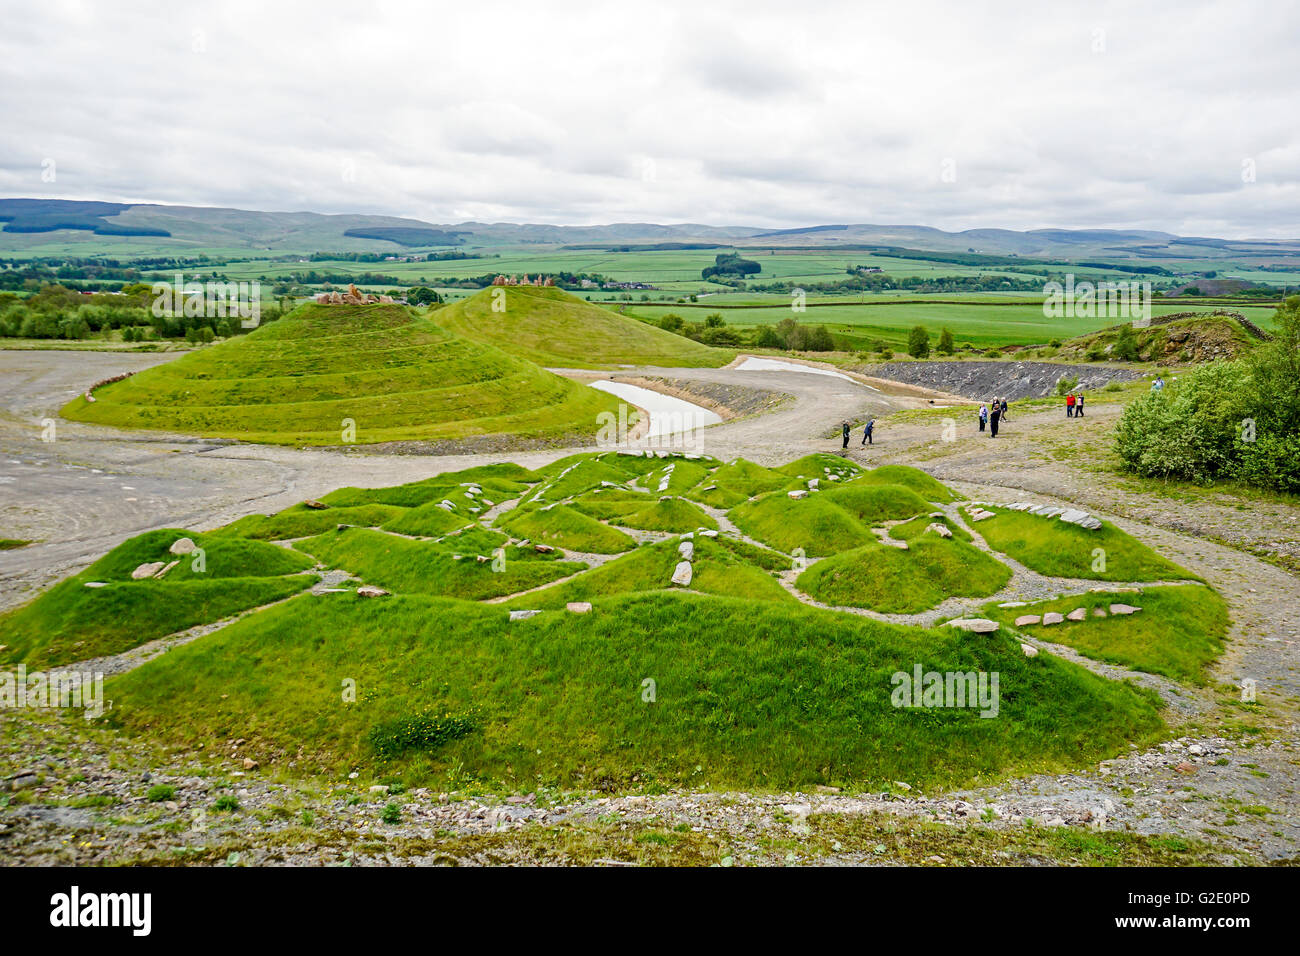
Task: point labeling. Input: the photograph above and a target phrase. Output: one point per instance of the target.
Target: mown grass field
(389, 374)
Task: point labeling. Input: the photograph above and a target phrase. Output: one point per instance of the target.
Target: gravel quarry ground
(1225, 784)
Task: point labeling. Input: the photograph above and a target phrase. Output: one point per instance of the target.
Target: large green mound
(666, 690)
(552, 328)
(681, 650)
(303, 379)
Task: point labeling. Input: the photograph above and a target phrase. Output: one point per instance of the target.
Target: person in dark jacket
(1004, 410)
(866, 432)
(994, 414)
(844, 427)
(1078, 405)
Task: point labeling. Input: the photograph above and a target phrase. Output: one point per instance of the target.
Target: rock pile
(353, 296)
(1069, 515)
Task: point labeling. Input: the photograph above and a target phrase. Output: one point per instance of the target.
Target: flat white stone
(522, 615)
(978, 625)
(682, 573)
(1026, 619)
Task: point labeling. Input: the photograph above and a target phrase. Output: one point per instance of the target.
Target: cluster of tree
(446, 256)
(712, 331)
(57, 312)
(731, 264)
(1226, 419)
(788, 334)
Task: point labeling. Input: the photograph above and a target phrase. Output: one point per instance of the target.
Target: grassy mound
(826, 522)
(564, 527)
(746, 694)
(914, 478)
(894, 581)
(395, 376)
(299, 521)
(1050, 546)
(716, 569)
(417, 567)
(821, 465)
(555, 329)
(73, 622)
(1178, 633)
(739, 481)
(669, 514)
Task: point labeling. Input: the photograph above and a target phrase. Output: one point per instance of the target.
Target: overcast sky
(955, 115)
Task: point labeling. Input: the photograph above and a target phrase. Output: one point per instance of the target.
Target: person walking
(1078, 405)
(1004, 412)
(984, 416)
(1069, 405)
(844, 428)
(866, 432)
(1159, 384)
(994, 415)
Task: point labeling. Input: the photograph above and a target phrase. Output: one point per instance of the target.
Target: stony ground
(1222, 790)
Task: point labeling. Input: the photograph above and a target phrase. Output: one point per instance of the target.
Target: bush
(425, 731)
(227, 804)
(392, 814)
(1126, 345)
(1096, 353)
(160, 792)
(1064, 386)
(1226, 419)
(918, 342)
(886, 354)
(945, 342)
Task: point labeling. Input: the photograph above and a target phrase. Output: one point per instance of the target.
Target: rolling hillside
(397, 377)
(552, 328)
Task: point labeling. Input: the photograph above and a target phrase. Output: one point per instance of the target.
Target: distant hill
(121, 227)
(552, 328)
(395, 376)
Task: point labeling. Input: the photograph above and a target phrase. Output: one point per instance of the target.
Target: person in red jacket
(1069, 405)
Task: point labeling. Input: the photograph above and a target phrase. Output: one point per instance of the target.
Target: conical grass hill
(393, 375)
(555, 329)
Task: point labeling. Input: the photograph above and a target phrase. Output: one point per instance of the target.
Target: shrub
(392, 814)
(886, 354)
(945, 342)
(1064, 386)
(227, 804)
(425, 731)
(1126, 345)
(160, 792)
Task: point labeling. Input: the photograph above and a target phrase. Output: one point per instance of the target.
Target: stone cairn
(353, 296)
(539, 282)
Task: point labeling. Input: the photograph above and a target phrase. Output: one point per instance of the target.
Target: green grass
(392, 375)
(738, 481)
(10, 544)
(914, 478)
(563, 526)
(299, 521)
(718, 567)
(893, 581)
(826, 522)
(1178, 633)
(1050, 546)
(71, 622)
(671, 514)
(552, 328)
(417, 567)
(747, 694)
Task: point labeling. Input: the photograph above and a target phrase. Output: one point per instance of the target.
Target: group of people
(1074, 405)
(867, 429)
(991, 414)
